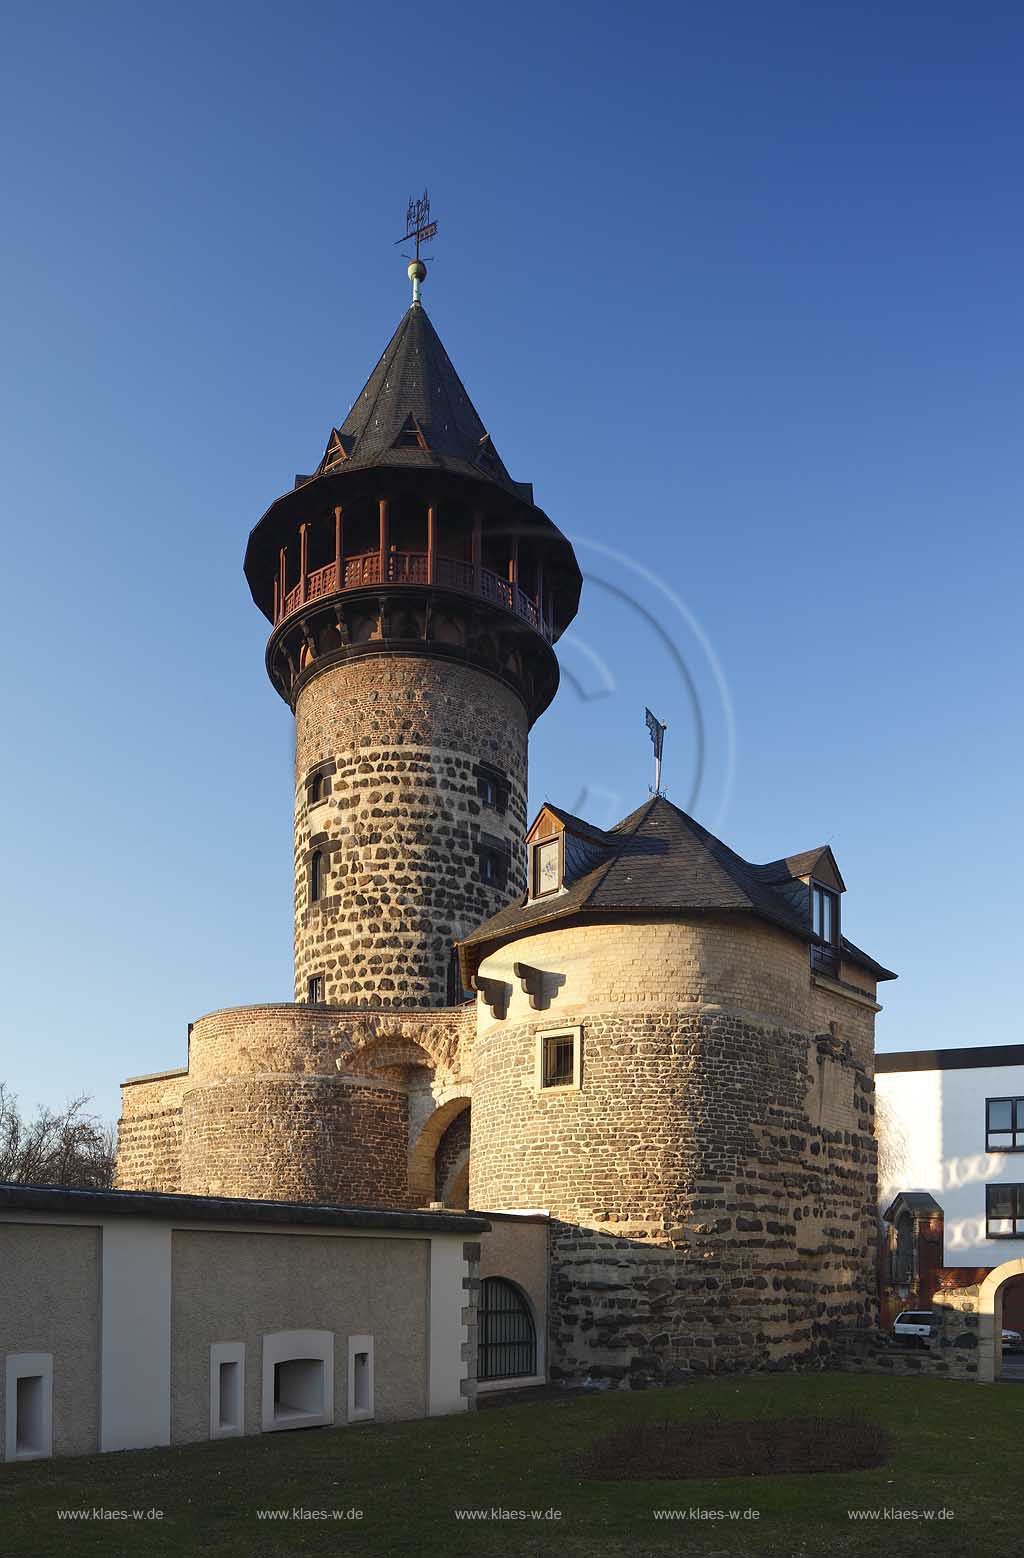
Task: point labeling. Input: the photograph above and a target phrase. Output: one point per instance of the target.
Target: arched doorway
(425, 1170)
(507, 1337)
(990, 1319)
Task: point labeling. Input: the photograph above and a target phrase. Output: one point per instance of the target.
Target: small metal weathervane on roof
(420, 229)
(657, 730)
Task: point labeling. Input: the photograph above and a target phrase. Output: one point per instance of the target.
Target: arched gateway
(990, 1319)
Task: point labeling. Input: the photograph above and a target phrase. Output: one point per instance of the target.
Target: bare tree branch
(67, 1147)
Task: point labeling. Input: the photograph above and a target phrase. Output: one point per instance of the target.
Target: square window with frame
(1004, 1125)
(559, 1063)
(1004, 1211)
(315, 990)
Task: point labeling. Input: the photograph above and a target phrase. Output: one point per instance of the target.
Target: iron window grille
(1004, 1211)
(1004, 1125)
(559, 1060)
(507, 1339)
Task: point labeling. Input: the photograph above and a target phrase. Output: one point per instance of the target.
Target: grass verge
(954, 1447)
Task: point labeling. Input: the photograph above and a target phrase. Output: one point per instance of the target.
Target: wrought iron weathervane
(421, 229)
(657, 730)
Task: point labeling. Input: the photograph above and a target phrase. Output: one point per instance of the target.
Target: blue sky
(736, 286)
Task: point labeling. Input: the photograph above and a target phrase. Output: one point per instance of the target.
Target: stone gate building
(663, 1047)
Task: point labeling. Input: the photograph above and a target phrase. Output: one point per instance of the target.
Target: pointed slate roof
(659, 858)
(414, 411)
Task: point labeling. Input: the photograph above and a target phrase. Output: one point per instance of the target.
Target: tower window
(317, 876)
(493, 855)
(315, 990)
(316, 789)
(491, 787)
(560, 1058)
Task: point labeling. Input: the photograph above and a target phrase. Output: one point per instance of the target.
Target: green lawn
(956, 1447)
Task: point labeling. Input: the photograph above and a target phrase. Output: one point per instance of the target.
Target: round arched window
(507, 1339)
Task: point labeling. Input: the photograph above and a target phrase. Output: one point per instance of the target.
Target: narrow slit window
(317, 875)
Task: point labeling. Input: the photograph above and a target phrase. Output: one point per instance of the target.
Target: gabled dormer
(813, 885)
(561, 849)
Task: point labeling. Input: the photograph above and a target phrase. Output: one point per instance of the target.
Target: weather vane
(418, 226)
(657, 730)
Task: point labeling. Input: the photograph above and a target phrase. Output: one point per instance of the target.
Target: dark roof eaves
(188, 1208)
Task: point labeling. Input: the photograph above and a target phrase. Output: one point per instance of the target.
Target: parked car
(915, 1327)
(1013, 1341)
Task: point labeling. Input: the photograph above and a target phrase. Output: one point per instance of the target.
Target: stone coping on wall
(221, 1209)
(157, 1076)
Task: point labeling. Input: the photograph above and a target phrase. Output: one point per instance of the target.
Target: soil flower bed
(752, 1447)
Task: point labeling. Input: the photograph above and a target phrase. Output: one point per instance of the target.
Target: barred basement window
(1004, 1211)
(1004, 1125)
(315, 990)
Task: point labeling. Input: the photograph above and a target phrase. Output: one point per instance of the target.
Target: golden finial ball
(417, 271)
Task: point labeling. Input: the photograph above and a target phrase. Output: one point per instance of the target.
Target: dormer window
(825, 924)
(545, 867)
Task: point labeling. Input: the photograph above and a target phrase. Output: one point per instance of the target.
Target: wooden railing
(413, 568)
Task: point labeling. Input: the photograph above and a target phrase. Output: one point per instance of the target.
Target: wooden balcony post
(540, 596)
(338, 568)
(431, 539)
(277, 601)
(513, 562)
(478, 527)
(303, 559)
(283, 568)
(383, 539)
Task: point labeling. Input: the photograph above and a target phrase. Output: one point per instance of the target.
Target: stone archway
(990, 1320)
(423, 1150)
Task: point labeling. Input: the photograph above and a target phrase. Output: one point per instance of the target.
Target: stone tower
(414, 592)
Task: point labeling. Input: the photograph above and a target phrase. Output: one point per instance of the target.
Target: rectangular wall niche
(227, 1390)
(29, 1415)
(298, 1380)
(360, 1378)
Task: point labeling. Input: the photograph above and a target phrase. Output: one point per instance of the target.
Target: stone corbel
(495, 993)
(539, 986)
